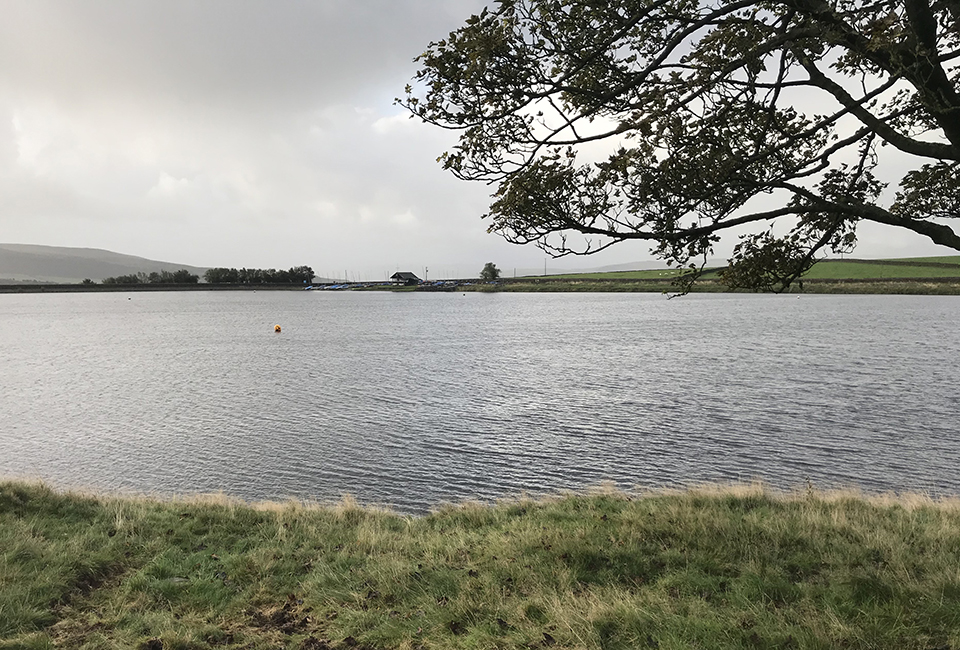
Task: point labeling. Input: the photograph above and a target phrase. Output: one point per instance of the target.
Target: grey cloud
(256, 52)
(236, 133)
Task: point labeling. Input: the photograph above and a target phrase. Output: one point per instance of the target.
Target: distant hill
(29, 263)
(610, 268)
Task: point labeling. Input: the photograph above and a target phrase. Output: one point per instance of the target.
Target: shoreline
(31, 287)
(603, 488)
(853, 286)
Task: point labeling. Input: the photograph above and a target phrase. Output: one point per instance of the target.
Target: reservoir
(412, 399)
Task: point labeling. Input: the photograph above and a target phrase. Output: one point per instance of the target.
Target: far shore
(550, 284)
(42, 287)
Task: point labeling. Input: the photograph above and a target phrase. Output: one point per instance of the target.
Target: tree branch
(884, 130)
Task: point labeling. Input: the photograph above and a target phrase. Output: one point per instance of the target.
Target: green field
(907, 268)
(649, 274)
(942, 267)
(737, 567)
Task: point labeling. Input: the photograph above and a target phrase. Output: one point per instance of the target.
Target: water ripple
(409, 400)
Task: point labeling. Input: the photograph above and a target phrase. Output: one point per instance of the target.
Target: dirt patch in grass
(289, 618)
(73, 631)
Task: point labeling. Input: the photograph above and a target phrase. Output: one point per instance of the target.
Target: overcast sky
(258, 133)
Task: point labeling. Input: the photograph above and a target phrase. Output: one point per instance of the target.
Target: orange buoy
(276, 328)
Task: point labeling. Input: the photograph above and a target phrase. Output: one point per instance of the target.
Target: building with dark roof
(405, 278)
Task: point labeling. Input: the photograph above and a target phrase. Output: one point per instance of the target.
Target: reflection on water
(413, 399)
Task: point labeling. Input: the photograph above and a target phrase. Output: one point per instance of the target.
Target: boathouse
(405, 278)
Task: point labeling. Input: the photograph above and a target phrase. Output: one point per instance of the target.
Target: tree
(296, 275)
(301, 275)
(183, 276)
(133, 278)
(670, 121)
(490, 272)
(221, 275)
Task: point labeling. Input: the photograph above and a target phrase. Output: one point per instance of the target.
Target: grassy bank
(734, 568)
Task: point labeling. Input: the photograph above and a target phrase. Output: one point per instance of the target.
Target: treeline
(295, 275)
(182, 276)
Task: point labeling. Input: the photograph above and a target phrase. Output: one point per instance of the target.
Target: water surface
(409, 399)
